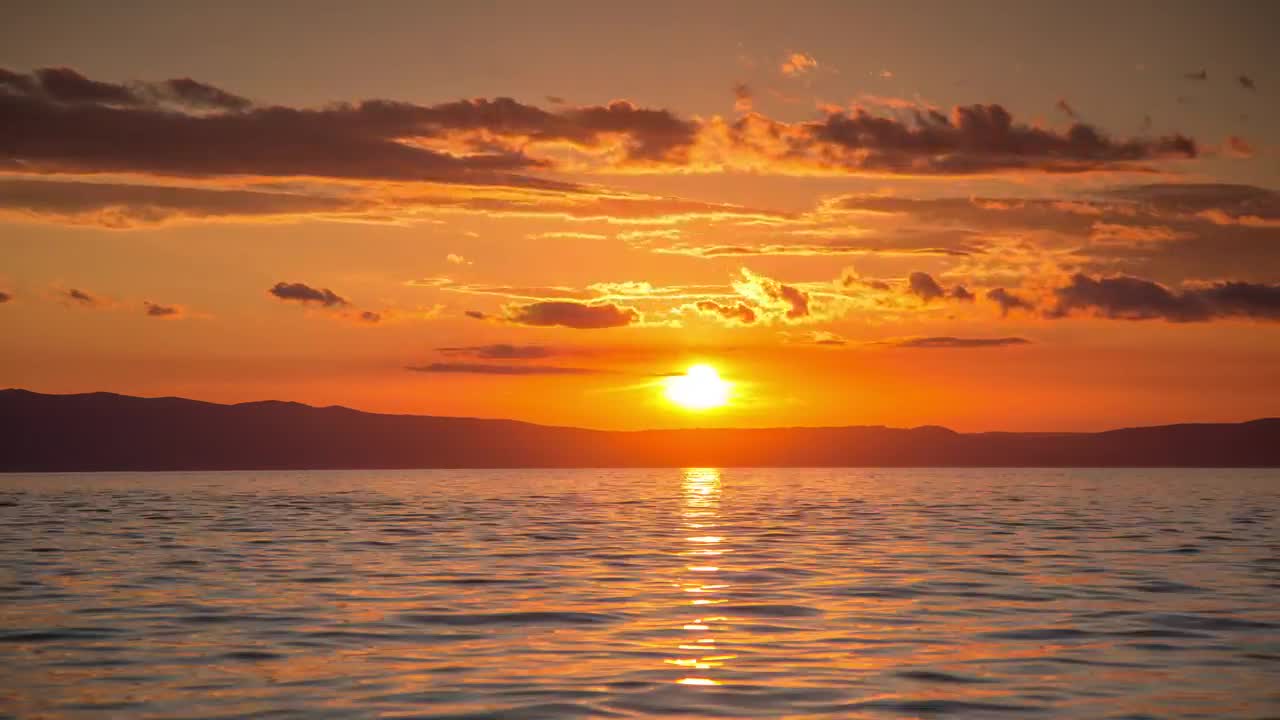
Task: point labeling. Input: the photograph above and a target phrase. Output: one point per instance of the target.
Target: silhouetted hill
(103, 431)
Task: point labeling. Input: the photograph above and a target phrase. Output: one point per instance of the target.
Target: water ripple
(560, 594)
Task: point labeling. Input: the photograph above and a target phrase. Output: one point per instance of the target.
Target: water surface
(635, 593)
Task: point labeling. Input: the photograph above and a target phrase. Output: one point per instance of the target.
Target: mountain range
(105, 431)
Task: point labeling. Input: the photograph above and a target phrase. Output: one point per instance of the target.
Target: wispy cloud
(955, 342)
(494, 369)
(303, 293)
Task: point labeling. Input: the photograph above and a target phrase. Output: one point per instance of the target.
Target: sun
(700, 388)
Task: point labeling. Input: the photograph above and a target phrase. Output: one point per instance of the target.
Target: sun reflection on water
(700, 516)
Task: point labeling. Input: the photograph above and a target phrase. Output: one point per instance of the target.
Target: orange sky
(912, 215)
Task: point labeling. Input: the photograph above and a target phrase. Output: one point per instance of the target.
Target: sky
(988, 216)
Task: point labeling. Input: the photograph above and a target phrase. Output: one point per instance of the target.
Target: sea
(672, 593)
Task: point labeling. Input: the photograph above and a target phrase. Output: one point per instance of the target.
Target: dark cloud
(742, 98)
(483, 369)
(500, 351)
(81, 297)
(16, 83)
(57, 120)
(1190, 198)
(357, 142)
(957, 342)
(1246, 82)
(60, 121)
(123, 205)
(65, 85)
(300, 292)
(119, 205)
(199, 95)
(972, 139)
(1168, 232)
(736, 312)
(5, 297)
(1132, 298)
(369, 316)
(1009, 301)
(581, 316)
(555, 100)
(157, 310)
(1201, 75)
(1065, 108)
(923, 286)
(476, 314)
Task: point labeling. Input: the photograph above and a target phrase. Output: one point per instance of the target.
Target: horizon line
(926, 426)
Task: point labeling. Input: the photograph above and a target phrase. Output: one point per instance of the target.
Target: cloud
(483, 369)
(817, 337)
(1237, 146)
(1246, 82)
(60, 121)
(500, 351)
(1009, 301)
(369, 316)
(1169, 231)
(563, 313)
(798, 63)
(455, 259)
(742, 98)
(476, 315)
(923, 286)
(515, 292)
(730, 313)
(67, 86)
(5, 297)
(903, 242)
(300, 292)
(81, 297)
(199, 95)
(1132, 298)
(849, 278)
(1189, 198)
(889, 101)
(1065, 108)
(1201, 75)
(64, 122)
(956, 342)
(565, 235)
(64, 85)
(161, 311)
(117, 205)
(123, 205)
(973, 139)
(791, 301)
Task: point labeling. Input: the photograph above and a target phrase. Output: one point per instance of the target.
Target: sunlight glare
(700, 388)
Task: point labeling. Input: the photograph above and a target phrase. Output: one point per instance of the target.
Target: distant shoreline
(103, 432)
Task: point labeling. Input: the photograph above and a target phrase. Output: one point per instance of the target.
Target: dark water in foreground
(600, 593)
